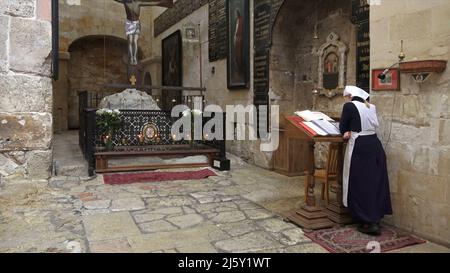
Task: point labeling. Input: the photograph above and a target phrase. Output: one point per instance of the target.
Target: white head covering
(355, 91)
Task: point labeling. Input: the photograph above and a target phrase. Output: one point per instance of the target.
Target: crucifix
(133, 25)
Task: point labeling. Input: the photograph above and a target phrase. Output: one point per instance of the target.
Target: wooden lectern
(310, 216)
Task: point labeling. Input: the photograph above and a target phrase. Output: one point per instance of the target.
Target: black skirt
(369, 196)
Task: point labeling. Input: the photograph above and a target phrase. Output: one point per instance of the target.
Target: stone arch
(104, 37)
(92, 62)
(294, 63)
(299, 29)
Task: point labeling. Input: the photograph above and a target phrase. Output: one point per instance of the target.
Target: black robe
(368, 187)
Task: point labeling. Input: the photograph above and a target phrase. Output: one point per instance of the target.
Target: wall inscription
(217, 30)
(265, 13)
(360, 17)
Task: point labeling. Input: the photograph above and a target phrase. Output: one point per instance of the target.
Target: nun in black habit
(365, 179)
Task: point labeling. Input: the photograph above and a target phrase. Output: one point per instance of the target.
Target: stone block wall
(291, 59)
(25, 89)
(93, 63)
(89, 22)
(214, 75)
(415, 122)
(294, 62)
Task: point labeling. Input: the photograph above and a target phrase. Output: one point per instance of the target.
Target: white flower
(100, 112)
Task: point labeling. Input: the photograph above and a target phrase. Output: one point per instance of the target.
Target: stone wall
(294, 62)
(415, 122)
(291, 59)
(93, 63)
(81, 20)
(214, 75)
(26, 89)
(97, 18)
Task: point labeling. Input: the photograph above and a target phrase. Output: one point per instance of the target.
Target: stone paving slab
(186, 221)
(203, 234)
(127, 204)
(117, 225)
(251, 242)
(157, 226)
(235, 211)
(110, 246)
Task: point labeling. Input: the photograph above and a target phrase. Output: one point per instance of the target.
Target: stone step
(73, 170)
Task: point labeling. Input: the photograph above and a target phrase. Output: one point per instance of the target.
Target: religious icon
(133, 24)
(238, 47)
(172, 74)
(331, 63)
(149, 132)
(331, 71)
(190, 33)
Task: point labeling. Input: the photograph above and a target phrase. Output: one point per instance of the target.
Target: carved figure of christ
(133, 25)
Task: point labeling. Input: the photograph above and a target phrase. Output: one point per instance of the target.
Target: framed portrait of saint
(172, 69)
(238, 57)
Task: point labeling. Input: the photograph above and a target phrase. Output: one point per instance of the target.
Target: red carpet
(128, 178)
(349, 240)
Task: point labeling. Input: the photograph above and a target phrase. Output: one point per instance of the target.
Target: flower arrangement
(108, 122)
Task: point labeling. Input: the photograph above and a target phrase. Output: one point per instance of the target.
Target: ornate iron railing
(129, 133)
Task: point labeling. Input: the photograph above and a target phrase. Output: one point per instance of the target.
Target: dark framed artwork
(238, 57)
(390, 83)
(172, 69)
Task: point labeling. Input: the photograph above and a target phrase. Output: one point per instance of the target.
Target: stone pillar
(26, 89)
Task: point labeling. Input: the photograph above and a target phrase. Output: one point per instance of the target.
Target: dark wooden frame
(246, 46)
(177, 36)
(55, 39)
(376, 72)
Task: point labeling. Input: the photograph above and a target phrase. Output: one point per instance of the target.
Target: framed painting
(172, 69)
(238, 57)
(391, 81)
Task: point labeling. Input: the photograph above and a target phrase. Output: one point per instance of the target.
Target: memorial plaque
(363, 56)
(261, 76)
(360, 10)
(262, 25)
(276, 6)
(261, 86)
(265, 13)
(360, 17)
(218, 30)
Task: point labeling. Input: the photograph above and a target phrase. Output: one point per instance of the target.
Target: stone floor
(235, 211)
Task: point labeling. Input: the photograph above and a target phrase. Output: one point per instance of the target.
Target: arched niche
(332, 66)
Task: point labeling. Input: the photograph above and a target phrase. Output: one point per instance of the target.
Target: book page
(315, 128)
(308, 115)
(327, 126)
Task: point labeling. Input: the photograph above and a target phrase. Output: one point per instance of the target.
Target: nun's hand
(347, 135)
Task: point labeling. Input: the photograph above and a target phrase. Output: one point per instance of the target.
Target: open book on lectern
(320, 123)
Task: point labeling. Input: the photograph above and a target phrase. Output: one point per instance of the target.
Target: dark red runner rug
(349, 240)
(128, 178)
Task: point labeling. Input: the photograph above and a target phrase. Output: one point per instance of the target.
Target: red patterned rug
(128, 178)
(349, 240)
